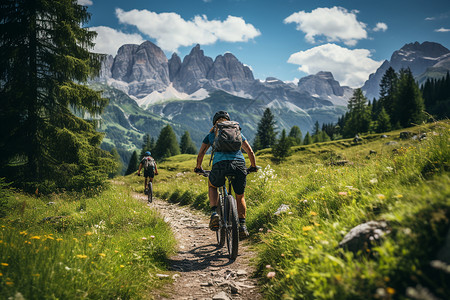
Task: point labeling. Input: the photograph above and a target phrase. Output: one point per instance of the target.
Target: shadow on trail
(203, 257)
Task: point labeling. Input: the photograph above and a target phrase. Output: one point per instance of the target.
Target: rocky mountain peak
(174, 66)
(322, 83)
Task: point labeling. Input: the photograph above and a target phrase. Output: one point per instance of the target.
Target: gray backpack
(149, 163)
(229, 138)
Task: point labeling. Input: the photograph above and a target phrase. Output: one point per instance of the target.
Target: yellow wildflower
(10, 283)
(81, 256)
(306, 228)
(316, 224)
(381, 196)
(75, 239)
(122, 266)
(313, 213)
(102, 254)
(1, 274)
(4, 264)
(398, 196)
(59, 240)
(88, 233)
(36, 237)
(390, 291)
(23, 233)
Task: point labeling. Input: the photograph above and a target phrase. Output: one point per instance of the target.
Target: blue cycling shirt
(220, 156)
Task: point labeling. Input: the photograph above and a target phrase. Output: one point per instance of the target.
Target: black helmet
(220, 114)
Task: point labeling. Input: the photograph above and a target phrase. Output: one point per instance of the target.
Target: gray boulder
(363, 236)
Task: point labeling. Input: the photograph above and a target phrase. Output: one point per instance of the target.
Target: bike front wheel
(232, 227)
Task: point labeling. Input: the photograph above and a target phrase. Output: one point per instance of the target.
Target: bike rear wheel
(220, 233)
(150, 192)
(232, 227)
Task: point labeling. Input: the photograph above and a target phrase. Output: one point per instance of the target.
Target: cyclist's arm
(140, 167)
(251, 155)
(201, 154)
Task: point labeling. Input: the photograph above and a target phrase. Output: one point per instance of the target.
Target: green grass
(72, 247)
(405, 184)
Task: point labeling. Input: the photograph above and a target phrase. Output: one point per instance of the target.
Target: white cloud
(430, 19)
(336, 24)
(109, 40)
(380, 27)
(442, 29)
(171, 31)
(349, 67)
(85, 2)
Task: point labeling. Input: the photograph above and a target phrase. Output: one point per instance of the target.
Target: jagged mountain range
(425, 60)
(148, 91)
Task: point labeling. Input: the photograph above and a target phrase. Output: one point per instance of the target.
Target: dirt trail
(201, 270)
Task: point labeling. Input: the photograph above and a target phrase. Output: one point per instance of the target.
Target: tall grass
(69, 247)
(405, 184)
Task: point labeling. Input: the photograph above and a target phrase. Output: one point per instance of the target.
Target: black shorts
(235, 168)
(149, 173)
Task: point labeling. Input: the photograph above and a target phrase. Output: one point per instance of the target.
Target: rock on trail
(200, 270)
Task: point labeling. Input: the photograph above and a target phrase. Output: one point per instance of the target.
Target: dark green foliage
(408, 106)
(436, 94)
(167, 144)
(187, 146)
(383, 121)
(388, 90)
(282, 148)
(358, 120)
(133, 164)
(295, 135)
(45, 60)
(266, 134)
(308, 139)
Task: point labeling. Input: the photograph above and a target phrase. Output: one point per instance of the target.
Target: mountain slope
(418, 57)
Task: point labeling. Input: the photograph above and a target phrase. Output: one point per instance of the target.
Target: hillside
(400, 185)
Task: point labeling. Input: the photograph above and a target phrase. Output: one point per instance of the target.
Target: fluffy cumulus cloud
(380, 27)
(349, 67)
(109, 40)
(336, 24)
(171, 31)
(85, 2)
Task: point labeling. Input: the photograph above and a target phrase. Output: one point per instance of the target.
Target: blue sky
(286, 39)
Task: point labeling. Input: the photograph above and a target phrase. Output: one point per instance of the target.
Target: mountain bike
(229, 222)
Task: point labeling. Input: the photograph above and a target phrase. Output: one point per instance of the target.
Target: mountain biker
(150, 169)
(226, 163)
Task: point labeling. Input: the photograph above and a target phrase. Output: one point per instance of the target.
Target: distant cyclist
(150, 169)
(226, 163)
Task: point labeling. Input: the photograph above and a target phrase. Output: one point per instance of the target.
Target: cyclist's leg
(241, 206)
(145, 183)
(213, 195)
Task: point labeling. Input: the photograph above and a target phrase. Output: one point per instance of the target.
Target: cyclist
(150, 169)
(226, 163)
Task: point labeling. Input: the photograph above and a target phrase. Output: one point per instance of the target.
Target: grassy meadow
(108, 246)
(402, 182)
(111, 245)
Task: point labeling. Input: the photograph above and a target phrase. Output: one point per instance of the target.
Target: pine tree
(187, 146)
(388, 90)
(383, 121)
(265, 133)
(408, 105)
(133, 164)
(358, 120)
(167, 144)
(45, 60)
(307, 140)
(282, 148)
(295, 135)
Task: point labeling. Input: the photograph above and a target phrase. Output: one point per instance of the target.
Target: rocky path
(200, 269)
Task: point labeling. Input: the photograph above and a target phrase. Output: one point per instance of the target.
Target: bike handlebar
(206, 173)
